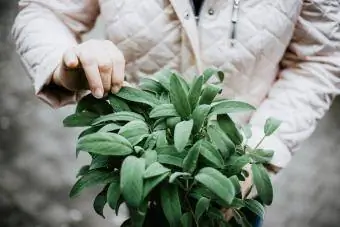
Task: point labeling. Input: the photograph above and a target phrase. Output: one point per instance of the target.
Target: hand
(246, 187)
(97, 65)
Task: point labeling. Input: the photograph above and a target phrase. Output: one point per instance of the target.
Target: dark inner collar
(197, 6)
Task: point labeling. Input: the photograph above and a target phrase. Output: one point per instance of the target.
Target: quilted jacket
(282, 56)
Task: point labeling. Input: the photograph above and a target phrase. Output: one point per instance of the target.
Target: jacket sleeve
(307, 83)
(42, 31)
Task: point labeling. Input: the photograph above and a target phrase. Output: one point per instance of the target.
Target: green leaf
(99, 203)
(201, 206)
(99, 161)
(110, 128)
(186, 220)
(228, 127)
(227, 106)
(134, 131)
(91, 178)
(208, 73)
(237, 203)
(170, 159)
(159, 124)
(262, 183)
(131, 180)
(222, 142)
(151, 183)
(261, 155)
(119, 116)
(199, 116)
(119, 203)
(89, 131)
(184, 83)
(169, 155)
(118, 104)
(163, 77)
(255, 207)
(190, 161)
(149, 84)
(209, 152)
(94, 105)
(195, 92)
(113, 194)
(165, 98)
(140, 108)
(150, 157)
(202, 191)
(155, 169)
(171, 204)
(137, 95)
(178, 97)
(151, 141)
(182, 134)
(216, 214)
(247, 131)
(80, 119)
(138, 149)
(209, 93)
(175, 175)
(234, 180)
(105, 144)
(164, 110)
(235, 165)
(171, 122)
(161, 138)
(83, 170)
(271, 126)
(138, 215)
(217, 183)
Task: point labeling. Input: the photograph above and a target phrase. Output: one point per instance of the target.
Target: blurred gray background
(38, 164)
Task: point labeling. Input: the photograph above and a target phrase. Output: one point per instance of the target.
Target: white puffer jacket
(285, 57)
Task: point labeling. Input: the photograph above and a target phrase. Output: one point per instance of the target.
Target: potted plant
(170, 150)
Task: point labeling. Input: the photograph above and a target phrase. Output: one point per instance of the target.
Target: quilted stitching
(151, 37)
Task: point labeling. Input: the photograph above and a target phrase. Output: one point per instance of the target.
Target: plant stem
(259, 143)
(187, 200)
(191, 211)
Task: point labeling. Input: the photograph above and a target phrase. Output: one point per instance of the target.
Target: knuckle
(105, 66)
(106, 85)
(86, 59)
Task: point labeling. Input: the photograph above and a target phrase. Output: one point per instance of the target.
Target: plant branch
(259, 143)
(190, 209)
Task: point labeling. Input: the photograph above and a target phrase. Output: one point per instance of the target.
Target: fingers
(105, 66)
(70, 58)
(118, 72)
(100, 62)
(90, 66)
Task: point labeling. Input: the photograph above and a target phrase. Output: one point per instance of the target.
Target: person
(281, 56)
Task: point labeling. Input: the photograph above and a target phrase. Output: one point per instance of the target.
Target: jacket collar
(186, 16)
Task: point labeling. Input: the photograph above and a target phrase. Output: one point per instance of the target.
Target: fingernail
(115, 89)
(98, 93)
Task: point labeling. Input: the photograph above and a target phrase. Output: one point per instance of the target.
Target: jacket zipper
(234, 20)
(193, 9)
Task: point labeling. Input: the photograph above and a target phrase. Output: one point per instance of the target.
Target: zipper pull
(234, 19)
